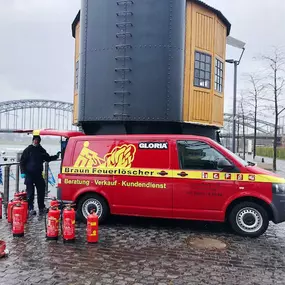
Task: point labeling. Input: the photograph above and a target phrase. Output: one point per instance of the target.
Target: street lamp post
(241, 45)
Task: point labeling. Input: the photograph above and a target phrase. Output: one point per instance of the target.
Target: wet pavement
(144, 251)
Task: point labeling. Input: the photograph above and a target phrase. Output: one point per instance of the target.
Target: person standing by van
(31, 165)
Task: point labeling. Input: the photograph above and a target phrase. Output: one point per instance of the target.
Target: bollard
(6, 187)
(18, 157)
(262, 160)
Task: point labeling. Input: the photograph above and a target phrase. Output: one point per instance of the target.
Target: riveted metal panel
(132, 60)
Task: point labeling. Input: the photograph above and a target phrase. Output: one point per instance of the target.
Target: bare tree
(275, 64)
(255, 95)
(242, 104)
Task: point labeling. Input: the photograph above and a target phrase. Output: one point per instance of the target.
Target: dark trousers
(38, 181)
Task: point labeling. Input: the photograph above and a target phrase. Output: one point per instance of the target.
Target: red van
(169, 176)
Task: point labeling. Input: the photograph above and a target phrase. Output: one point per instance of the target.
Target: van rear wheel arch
(92, 200)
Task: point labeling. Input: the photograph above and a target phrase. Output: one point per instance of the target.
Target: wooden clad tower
(154, 66)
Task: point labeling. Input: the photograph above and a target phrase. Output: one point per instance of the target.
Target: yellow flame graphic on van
(120, 157)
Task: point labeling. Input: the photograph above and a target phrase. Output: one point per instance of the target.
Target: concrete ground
(143, 251)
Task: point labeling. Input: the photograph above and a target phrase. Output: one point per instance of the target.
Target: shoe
(32, 213)
(43, 211)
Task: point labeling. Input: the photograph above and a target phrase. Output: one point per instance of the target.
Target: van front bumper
(278, 208)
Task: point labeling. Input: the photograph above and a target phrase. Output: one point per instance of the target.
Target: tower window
(202, 70)
(219, 71)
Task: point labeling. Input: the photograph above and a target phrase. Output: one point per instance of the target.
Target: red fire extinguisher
(24, 195)
(68, 224)
(18, 220)
(54, 202)
(3, 250)
(21, 195)
(52, 223)
(92, 228)
(10, 209)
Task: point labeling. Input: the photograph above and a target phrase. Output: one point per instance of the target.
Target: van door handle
(162, 173)
(182, 174)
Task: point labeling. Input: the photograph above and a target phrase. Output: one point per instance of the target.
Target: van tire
(90, 201)
(249, 219)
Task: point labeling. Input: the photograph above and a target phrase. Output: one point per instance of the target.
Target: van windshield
(239, 159)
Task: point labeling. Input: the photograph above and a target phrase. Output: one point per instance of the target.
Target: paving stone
(158, 274)
(121, 282)
(144, 251)
(128, 279)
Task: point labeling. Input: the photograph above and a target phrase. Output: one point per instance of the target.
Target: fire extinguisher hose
(46, 212)
(11, 211)
(61, 232)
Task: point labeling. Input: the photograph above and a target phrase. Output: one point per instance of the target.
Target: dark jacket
(32, 159)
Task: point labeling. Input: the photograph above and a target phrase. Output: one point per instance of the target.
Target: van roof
(145, 136)
(57, 133)
(48, 132)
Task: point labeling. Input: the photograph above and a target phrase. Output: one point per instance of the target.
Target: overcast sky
(37, 48)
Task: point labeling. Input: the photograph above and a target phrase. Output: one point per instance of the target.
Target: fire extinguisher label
(91, 233)
(17, 222)
(68, 227)
(52, 226)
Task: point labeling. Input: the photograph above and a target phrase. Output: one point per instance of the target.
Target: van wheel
(91, 202)
(249, 219)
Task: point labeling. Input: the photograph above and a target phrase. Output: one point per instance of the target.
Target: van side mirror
(225, 164)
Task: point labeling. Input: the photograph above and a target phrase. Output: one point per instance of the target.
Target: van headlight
(278, 188)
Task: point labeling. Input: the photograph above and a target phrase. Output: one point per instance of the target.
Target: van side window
(196, 155)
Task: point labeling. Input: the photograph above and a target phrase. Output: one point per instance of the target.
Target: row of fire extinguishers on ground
(67, 218)
(58, 218)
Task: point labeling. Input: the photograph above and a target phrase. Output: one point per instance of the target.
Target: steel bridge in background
(36, 114)
(265, 129)
(40, 114)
